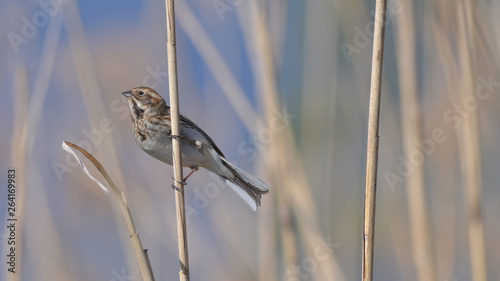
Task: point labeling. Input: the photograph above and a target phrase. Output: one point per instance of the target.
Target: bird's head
(144, 101)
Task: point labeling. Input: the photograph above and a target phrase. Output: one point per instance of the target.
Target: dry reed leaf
(69, 147)
(140, 253)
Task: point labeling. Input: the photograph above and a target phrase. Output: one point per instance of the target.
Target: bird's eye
(141, 93)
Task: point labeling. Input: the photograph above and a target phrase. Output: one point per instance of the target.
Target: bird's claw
(176, 137)
(174, 187)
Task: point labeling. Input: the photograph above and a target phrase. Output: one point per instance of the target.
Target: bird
(151, 121)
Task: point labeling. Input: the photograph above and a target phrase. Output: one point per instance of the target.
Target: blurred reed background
(282, 87)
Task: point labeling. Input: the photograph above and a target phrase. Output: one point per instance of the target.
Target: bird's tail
(247, 186)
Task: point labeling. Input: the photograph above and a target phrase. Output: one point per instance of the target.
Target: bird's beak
(127, 94)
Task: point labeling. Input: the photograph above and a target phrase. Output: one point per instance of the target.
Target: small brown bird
(152, 131)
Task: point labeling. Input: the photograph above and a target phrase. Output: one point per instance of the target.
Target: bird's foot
(183, 182)
(174, 187)
(192, 171)
(176, 137)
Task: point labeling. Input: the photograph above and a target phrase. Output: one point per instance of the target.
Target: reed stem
(373, 138)
(176, 142)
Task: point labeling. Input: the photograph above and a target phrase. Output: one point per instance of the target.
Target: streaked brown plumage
(152, 131)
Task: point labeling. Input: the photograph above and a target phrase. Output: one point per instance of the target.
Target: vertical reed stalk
(296, 202)
(372, 144)
(176, 142)
(468, 135)
(411, 128)
(445, 52)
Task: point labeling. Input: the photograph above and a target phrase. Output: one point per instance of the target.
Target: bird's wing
(190, 124)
